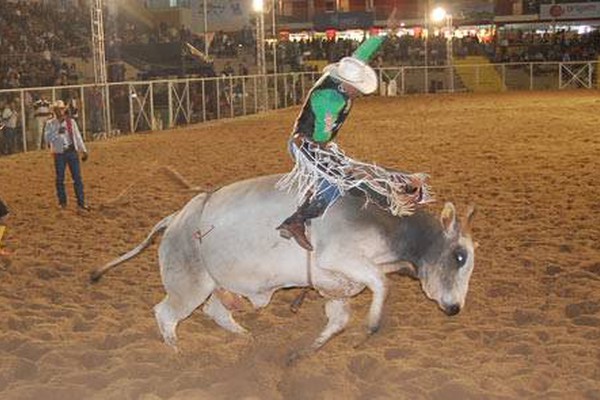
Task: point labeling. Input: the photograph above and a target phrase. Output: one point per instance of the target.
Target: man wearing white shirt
(9, 121)
(41, 113)
(64, 138)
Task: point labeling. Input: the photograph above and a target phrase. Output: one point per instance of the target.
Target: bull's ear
(471, 212)
(448, 219)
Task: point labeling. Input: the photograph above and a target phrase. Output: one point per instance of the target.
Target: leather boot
(294, 227)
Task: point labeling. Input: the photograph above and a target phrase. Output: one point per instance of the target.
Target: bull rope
(299, 300)
(170, 172)
(309, 255)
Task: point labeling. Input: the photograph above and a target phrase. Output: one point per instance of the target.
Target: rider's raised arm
(368, 48)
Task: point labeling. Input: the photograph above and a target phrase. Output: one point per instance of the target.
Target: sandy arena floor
(530, 328)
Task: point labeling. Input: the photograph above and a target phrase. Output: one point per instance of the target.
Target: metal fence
(126, 107)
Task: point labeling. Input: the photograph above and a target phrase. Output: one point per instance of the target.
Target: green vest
(327, 107)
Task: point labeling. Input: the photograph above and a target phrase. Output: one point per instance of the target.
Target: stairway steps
(478, 74)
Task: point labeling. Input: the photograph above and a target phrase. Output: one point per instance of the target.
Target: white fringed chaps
(330, 163)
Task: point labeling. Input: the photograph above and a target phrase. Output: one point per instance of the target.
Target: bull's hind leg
(183, 297)
(215, 309)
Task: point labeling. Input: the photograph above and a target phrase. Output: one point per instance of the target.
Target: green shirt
(327, 106)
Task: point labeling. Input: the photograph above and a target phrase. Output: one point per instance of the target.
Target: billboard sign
(343, 21)
(570, 11)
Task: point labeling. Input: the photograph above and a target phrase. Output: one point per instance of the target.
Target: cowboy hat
(354, 72)
(59, 104)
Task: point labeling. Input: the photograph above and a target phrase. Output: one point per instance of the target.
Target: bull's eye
(460, 256)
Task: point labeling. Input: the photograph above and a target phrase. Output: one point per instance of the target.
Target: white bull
(226, 241)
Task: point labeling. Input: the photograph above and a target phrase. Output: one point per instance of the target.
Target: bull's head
(445, 277)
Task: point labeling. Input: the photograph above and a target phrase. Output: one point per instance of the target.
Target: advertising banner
(570, 11)
(343, 20)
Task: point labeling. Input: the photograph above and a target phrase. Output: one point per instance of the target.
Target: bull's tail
(98, 272)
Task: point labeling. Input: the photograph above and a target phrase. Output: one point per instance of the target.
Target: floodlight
(438, 14)
(258, 5)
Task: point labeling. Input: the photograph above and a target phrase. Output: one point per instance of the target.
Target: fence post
(203, 101)
(23, 121)
(170, 101)
(152, 117)
(590, 77)
(244, 95)
(560, 76)
(255, 96)
(276, 91)
(403, 80)
(189, 105)
(82, 113)
(231, 96)
(218, 86)
(130, 93)
(107, 112)
(266, 89)
(530, 76)
(285, 91)
(503, 77)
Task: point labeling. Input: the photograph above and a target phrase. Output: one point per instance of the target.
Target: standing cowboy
(322, 172)
(66, 142)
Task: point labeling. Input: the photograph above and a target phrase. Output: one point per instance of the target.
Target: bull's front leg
(338, 315)
(358, 274)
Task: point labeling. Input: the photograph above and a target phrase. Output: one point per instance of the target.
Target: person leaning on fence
(41, 113)
(322, 172)
(9, 128)
(64, 137)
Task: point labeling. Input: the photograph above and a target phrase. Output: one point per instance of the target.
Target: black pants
(3, 209)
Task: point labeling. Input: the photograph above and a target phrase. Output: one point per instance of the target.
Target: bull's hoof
(298, 301)
(171, 341)
(95, 276)
(371, 330)
(295, 356)
(173, 345)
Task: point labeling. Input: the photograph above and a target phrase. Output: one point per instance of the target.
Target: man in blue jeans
(62, 133)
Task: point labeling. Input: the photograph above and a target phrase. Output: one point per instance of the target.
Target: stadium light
(438, 14)
(258, 5)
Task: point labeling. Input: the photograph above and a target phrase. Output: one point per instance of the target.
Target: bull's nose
(452, 309)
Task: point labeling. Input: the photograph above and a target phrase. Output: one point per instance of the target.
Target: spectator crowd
(504, 46)
(33, 38)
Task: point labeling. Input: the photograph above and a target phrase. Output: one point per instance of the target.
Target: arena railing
(141, 106)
